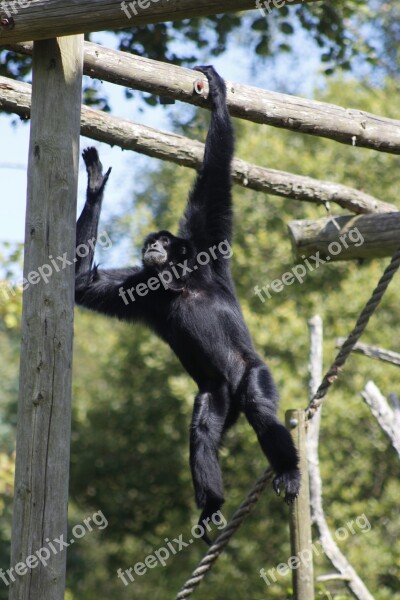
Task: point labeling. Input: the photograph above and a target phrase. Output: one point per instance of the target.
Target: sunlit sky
(14, 139)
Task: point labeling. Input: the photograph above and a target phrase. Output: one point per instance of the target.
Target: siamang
(184, 292)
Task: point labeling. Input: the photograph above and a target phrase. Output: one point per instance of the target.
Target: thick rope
(245, 508)
(216, 549)
(362, 321)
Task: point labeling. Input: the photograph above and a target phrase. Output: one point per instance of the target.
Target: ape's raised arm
(102, 290)
(88, 222)
(208, 216)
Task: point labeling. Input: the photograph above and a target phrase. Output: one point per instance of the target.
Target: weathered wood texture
(42, 19)
(44, 410)
(15, 97)
(300, 519)
(345, 125)
(346, 237)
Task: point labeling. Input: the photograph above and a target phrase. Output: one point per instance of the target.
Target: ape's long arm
(97, 289)
(88, 222)
(208, 216)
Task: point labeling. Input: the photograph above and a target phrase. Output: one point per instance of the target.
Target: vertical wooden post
(300, 520)
(44, 410)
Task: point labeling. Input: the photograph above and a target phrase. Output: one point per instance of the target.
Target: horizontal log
(42, 19)
(16, 97)
(346, 237)
(345, 125)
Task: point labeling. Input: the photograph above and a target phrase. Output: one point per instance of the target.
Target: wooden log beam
(346, 237)
(345, 125)
(44, 408)
(15, 97)
(41, 19)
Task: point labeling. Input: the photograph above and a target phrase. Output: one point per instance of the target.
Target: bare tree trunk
(338, 560)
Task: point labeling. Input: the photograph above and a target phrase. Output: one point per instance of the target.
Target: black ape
(191, 304)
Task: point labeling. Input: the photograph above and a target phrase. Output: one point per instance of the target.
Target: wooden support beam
(15, 97)
(44, 409)
(346, 237)
(300, 519)
(42, 19)
(348, 126)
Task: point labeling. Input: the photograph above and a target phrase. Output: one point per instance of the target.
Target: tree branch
(382, 413)
(15, 97)
(345, 125)
(373, 352)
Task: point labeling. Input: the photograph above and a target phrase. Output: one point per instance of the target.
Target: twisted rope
(218, 546)
(332, 374)
(362, 322)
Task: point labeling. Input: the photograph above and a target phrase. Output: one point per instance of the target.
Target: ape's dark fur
(194, 309)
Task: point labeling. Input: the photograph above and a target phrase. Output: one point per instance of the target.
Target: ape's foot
(290, 481)
(94, 168)
(210, 514)
(216, 83)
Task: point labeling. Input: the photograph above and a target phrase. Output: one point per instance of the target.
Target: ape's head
(162, 248)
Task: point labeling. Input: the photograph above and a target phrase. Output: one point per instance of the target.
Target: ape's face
(162, 248)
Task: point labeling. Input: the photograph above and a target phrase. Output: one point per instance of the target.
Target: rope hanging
(216, 549)
(329, 378)
(362, 322)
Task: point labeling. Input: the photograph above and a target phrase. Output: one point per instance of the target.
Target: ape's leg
(207, 428)
(259, 404)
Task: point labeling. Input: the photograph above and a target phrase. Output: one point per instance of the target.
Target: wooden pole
(44, 410)
(300, 520)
